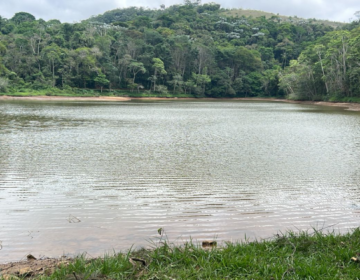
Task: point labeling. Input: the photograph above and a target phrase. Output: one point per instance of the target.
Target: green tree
(270, 82)
(4, 82)
(159, 69)
(320, 52)
(85, 64)
(177, 81)
(3, 69)
(53, 54)
(22, 17)
(336, 62)
(136, 67)
(201, 81)
(101, 80)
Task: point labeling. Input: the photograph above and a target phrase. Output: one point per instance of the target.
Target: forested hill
(195, 49)
(119, 15)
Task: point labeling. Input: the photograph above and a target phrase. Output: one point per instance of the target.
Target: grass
(290, 256)
(53, 92)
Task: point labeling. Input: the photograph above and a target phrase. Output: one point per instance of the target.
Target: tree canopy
(189, 48)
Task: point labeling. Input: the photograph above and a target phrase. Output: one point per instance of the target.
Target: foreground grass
(289, 256)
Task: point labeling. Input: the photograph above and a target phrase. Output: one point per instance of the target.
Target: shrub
(4, 84)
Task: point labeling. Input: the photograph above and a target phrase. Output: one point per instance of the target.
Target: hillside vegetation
(183, 50)
(295, 19)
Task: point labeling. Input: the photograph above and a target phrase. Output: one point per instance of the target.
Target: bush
(161, 89)
(67, 88)
(37, 85)
(4, 84)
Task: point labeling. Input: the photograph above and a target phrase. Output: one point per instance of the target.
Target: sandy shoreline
(346, 106)
(65, 98)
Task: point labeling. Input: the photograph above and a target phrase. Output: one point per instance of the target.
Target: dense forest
(183, 50)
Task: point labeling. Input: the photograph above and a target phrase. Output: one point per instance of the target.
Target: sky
(77, 10)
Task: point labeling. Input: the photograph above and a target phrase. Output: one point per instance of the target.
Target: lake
(96, 176)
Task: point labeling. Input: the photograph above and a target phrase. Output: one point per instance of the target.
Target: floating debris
(209, 244)
(73, 219)
(30, 257)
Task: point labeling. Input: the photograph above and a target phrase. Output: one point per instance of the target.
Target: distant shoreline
(347, 106)
(65, 98)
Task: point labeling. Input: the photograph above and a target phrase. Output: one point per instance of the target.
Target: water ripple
(92, 177)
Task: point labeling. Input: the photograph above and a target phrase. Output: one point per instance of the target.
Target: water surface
(94, 177)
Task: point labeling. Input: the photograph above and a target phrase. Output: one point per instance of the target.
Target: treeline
(328, 69)
(190, 48)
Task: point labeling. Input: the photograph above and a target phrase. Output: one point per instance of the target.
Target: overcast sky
(77, 10)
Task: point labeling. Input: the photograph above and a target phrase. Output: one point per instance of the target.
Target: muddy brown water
(96, 177)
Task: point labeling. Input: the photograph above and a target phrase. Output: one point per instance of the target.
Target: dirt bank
(32, 267)
(65, 98)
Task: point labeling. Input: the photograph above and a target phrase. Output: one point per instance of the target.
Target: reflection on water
(78, 177)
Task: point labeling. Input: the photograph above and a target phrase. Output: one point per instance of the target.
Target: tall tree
(136, 67)
(159, 70)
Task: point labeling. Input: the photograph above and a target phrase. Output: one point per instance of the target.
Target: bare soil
(65, 98)
(32, 267)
